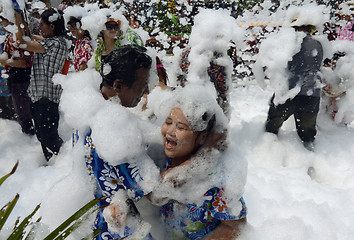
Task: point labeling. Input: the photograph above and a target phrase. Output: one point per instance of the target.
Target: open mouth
(170, 144)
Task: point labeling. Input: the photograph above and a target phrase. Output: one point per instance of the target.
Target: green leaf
(76, 224)
(32, 232)
(6, 213)
(19, 231)
(2, 179)
(71, 219)
(92, 235)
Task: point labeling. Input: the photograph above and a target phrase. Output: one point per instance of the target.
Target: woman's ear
(117, 85)
(202, 137)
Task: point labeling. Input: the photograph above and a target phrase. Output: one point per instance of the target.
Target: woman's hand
(227, 230)
(116, 213)
(116, 217)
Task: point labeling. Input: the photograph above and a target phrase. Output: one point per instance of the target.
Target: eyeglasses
(112, 27)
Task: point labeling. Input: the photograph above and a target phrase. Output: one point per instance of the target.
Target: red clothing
(82, 52)
(13, 51)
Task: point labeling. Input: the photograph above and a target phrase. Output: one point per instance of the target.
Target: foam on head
(197, 105)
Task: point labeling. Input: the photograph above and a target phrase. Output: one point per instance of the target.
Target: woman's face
(180, 140)
(76, 30)
(111, 31)
(47, 30)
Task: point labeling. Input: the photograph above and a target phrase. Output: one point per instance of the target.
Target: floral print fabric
(108, 180)
(189, 221)
(130, 37)
(216, 73)
(82, 52)
(4, 91)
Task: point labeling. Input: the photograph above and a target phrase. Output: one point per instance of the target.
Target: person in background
(6, 108)
(83, 48)
(113, 37)
(216, 74)
(64, 4)
(304, 72)
(334, 89)
(18, 67)
(49, 58)
(35, 11)
(161, 72)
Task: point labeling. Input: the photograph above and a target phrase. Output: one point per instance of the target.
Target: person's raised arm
(32, 46)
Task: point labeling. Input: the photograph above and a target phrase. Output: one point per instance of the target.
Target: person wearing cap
(83, 49)
(303, 71)
(113, 37)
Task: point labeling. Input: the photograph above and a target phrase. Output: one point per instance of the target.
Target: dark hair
(211, 121)
(2, 18)
(58, 22)
(338, 55)
(327, 61)
(123, 62)
(74, 20)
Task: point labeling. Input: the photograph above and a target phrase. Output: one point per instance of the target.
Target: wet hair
(49, 17)
(4, 19)
(123, 63)
(327, 61)
(210, 118)
(74, 20)
(338, 55)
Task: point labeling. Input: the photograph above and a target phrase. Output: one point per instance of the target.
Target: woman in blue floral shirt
(191, 190)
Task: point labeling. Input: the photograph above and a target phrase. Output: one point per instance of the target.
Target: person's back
(305, 66)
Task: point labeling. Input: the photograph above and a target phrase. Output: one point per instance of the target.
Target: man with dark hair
(50, 53)
(125, 73)
(303, 72)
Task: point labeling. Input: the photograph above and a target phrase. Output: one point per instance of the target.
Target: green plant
(61, 232)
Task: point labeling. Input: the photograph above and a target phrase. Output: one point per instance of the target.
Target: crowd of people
(194, 130)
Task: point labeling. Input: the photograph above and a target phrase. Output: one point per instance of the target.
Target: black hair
(2, 18)
(58, 22)
(338, 55)
(74, 20)
(327, 61)
(211, 121)
(123, 62)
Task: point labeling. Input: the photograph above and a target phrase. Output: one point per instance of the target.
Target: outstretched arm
(32, 46)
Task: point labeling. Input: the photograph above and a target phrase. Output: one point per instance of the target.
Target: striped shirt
(45, 65)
